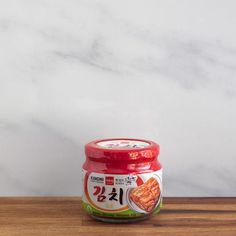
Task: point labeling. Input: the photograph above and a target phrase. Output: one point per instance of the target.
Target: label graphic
(122, 195)
(134, 144)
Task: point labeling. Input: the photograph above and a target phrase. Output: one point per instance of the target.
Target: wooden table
(63, 216)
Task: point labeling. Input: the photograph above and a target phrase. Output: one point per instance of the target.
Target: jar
(122, 180)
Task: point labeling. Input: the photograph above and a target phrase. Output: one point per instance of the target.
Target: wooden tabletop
(63, 216)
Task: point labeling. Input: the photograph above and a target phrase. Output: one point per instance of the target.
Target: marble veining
(74, 71)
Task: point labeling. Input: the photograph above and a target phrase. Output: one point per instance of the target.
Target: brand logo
(96, 179)
(109, 180)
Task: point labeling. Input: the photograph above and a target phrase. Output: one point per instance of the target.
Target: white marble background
(75, 70)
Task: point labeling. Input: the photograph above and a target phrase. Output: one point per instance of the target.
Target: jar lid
(122, 149)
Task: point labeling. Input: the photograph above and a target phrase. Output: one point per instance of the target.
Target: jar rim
(142, 151)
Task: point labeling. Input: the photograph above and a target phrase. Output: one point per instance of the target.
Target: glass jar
(122, 179)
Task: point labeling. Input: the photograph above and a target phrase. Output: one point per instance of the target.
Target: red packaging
(122, 179)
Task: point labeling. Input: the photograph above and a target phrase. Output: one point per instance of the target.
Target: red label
(109, 180)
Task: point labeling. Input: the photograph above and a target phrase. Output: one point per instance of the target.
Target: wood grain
(62, 216)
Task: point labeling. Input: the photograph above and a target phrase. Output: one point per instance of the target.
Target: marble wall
(73, 71)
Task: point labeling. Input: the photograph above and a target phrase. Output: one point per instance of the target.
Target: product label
(123, 196)
(123, 143)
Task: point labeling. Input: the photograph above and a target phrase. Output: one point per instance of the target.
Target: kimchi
(146, 195)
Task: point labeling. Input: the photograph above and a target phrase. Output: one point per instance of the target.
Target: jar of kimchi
(122, 179)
